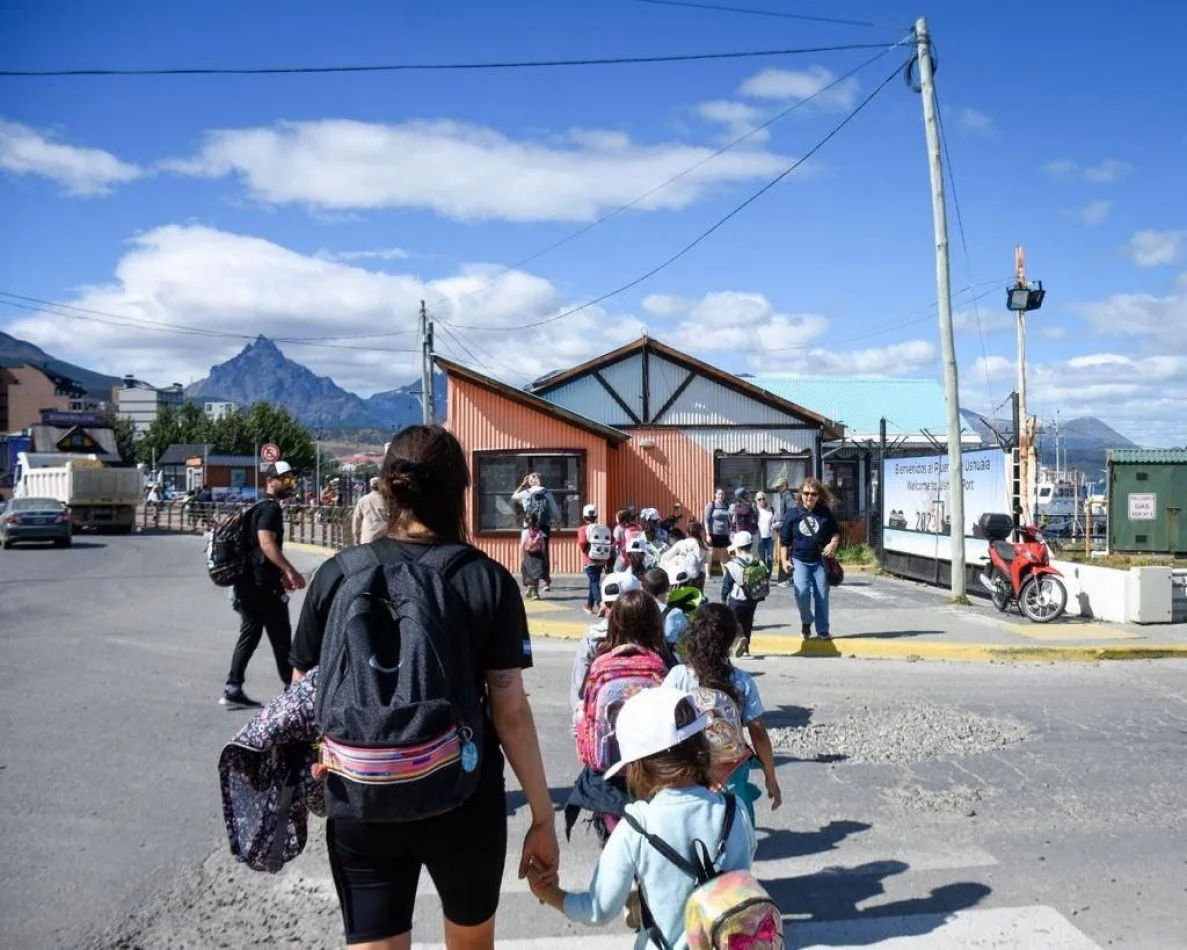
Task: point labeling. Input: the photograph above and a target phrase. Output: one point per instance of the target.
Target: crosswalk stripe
(855, 861)
(999, 928)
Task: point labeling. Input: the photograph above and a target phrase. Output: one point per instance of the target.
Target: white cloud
(1053, 333)
(1150, 248)
(378, 254)
(86, 172)
(737, 117)
(665, 305)
(991, 320)
(222, 282)
(797, 85)
(464, 171)
(979, 123)
(1106, 170)
(1093, 213)
(993, 367)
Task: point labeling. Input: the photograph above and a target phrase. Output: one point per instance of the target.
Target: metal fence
(326, 526)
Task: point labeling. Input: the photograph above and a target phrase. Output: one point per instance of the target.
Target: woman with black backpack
(421, 642)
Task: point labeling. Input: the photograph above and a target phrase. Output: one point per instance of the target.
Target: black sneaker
(237, 699)
(805, 630)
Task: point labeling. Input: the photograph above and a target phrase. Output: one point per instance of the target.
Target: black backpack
(397, 704)
(230, 548)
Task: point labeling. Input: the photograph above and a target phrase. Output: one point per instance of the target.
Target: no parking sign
(270, 452)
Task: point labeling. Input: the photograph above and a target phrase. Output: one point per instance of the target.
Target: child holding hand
(665, 755)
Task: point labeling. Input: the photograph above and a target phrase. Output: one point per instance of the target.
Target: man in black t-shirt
(261, 594)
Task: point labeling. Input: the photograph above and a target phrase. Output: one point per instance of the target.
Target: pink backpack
(613, 678)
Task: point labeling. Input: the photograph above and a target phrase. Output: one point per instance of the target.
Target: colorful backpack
(728, 910)
(756, 580)
(613, 678)
(726, 734)
(600, 541)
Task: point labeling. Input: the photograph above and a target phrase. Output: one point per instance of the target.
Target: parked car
(35, 519)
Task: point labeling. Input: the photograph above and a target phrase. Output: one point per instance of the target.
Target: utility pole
(944, 296)
(882, 490)
(1024, 432)
(1016, 476)
(426, 366)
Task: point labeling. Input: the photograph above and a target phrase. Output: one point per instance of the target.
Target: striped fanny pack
(391, 766)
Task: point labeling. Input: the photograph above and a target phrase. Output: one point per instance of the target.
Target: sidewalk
(884, 617)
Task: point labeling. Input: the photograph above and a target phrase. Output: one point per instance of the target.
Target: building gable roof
(178, 452)
(530, 401)
(740, 385)
(908, 405)
(48, 438)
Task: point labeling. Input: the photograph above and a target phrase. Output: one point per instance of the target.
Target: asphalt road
(944, 805)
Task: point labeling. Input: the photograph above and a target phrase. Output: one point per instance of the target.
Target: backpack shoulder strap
(661, 846)
(731, 809)
(447, 558)
(354, 560)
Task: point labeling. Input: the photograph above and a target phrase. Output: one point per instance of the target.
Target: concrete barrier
(1100, 593)
(1138, 595)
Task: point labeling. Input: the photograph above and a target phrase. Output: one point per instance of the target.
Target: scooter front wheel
(1043, 598)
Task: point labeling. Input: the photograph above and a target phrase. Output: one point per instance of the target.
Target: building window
(757, 473)
(841, 477)
(499, 475)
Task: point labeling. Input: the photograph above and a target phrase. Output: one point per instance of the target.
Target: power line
(772, 13)
(968, 260)
(708, 231)
(783, 113)
(157, 326)
(490, 357)
(428, 67)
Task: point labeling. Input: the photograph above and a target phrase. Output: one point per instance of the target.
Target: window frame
(482, 455)
(763, 461)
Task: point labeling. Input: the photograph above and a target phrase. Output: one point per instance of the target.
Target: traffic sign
(270, 452)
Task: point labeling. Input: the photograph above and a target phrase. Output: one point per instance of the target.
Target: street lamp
(1021, 298)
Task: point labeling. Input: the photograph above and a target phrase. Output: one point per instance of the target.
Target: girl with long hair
(424, 482)
(707, 669)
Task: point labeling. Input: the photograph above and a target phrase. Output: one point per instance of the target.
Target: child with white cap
(737, 589)
(664, 753)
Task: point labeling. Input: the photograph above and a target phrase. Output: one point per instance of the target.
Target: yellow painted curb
(877, 648)
(310, 548)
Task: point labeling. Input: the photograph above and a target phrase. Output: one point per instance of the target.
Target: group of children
(667, 729)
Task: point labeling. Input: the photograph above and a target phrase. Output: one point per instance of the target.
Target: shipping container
(1147, 496)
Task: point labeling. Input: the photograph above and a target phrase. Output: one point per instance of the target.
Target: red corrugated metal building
(644, 425)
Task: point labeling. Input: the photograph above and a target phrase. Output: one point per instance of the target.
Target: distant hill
(398, 408)
(1085, 440)
(260, 372)
(14, 352)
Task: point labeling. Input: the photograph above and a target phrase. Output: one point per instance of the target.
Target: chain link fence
(326, 526)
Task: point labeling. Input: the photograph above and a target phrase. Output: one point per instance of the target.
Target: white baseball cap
(278, 469)
(616, 584)
(636, 545)
(742, 540)
(649, 514)
(590, 511)
(646, 725)
(679, 574)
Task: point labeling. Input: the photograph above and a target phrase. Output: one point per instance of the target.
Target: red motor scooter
(1021, 573)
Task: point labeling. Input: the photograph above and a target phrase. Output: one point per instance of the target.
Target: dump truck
(99, 497)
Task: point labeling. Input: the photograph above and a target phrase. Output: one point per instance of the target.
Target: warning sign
(270, 452)
(1143, 506)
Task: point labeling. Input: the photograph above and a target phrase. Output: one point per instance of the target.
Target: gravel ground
(231, 907)
(897, 734)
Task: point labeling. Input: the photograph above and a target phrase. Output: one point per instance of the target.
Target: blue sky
(327, 206)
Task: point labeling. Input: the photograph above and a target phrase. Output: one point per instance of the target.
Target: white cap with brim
(741, 541)
(646, 725)
(616, 584)
(278, 469)
(636, 545)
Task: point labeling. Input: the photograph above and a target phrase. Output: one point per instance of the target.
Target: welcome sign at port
(916, 516)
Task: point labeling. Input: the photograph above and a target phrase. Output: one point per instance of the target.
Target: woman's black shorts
(376, 866)
(719, 541)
